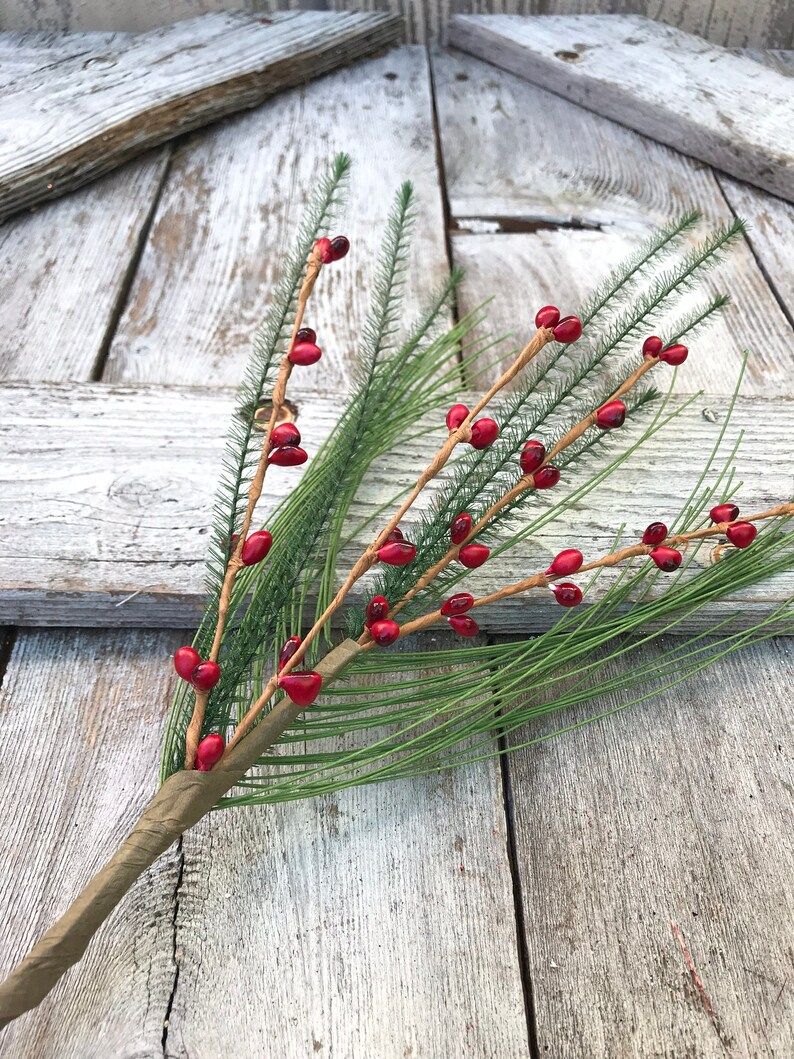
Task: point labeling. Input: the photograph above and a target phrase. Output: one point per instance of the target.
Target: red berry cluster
(568, 329)
(484, 432)
(565, 563)
(396, 550)
(332, 249)
(740, 534)
(382, 628)
(666, 559)
(189, 665)
(305, 350)
(285, 450)
(673, 355)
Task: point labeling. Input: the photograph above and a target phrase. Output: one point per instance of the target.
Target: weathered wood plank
(231, 202)
(70, 792)
(98, 529)
(700, 100)
(673, 815)
(87, 117)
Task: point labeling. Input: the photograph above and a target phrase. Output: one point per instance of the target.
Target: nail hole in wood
(568, 56)
(101, 62)
(287, 414)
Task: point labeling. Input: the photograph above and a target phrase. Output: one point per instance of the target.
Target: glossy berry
(456, 415)
(546, 477)
(323, 248)
(185, 661)
(457, 604)
(667, 559)
(724, 513)
(397, 553)
(741, 534)
(377, 609)
(652, 346)
(256, 548)
(473, 555)
(568, 329)
(305, 353)
(209, 752)
(396, 535)
(285, 434)
(460, 527)
(674, 355)
(484, 432)
(532, 455)
(463, 625)
(567, 594)
(340, 245)
(654, 533)
(302, 686)
(548, 316)
(306, 334)
(288, 456)
(566, 563)
(384, 632)
(291, 645)
(205, 676)
(611, 415)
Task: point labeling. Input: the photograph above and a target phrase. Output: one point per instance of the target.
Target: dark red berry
(655, 533)
(340, 245)
(724, 513)
(566, 563)
(303, 686)
(741, 534)
(567, 594)
(457, 604)
(256, 548)
(484, 432)
(397, 553)
(377, 609)
(473, 555)
(652, 346)
(306, 334)
(611, 415)
(396, 535)
(291, 645)
(288, 456)
(456, 415)
(209, 752)
(548, 316)
(305, 353)
(532, 455)
(205, 676)
(384, 632)
(667, 559)
(568, 329)
(460, 527)
(546, 477)
(463, 625)
(285, 434)
(323, 248)
(185, 661)
(674, 355)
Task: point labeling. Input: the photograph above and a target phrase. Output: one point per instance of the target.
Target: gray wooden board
(701, 98)
(85, 117)
(105, 494)
(676, 812)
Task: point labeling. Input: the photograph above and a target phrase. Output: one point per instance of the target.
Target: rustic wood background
(622, 891)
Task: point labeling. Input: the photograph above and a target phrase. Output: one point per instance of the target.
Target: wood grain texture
(96, 702)
(677, 812)
(232, 201)
(602, 63)
(98, 530)
(89, 115)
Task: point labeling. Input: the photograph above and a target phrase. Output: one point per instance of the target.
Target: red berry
(667, 559)
(288, 456)
(652, 346)
(209, 752)
(256, 547)
(532, 455)
(724, 513)
(568, 329)
(377, 609)
(546, 477)
(396, 535)
(456, 415)
(654, 533)
(674, 355)
(340, 245)
(291, 645)
(611, 415)
(205, 676)
(741, 534)
(567, 594)
(566, 563)
(323, 247)
(473, 555)
(303, 686)
(548, 316)
(463, 625)
(397, 553)
(185, 661)
(457, 604)
(305, 353)
(484, 432)
(460, 527)
(384, 632)
(306, 334)
(285, 434)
